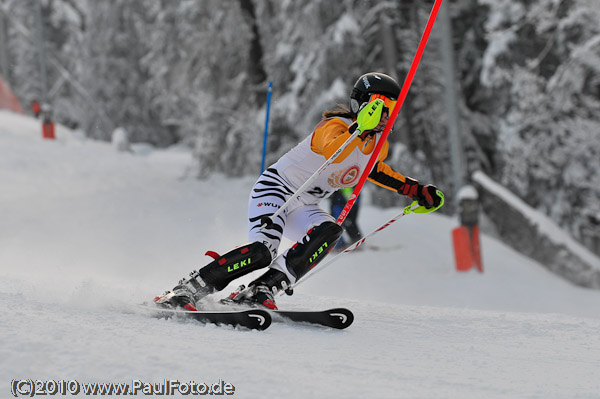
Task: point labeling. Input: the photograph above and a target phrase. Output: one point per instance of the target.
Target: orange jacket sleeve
(329, 135)
(383, 175)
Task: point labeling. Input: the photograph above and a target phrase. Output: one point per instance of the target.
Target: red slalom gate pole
(388, 127)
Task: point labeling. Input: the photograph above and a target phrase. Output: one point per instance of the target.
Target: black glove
(428, 197)
(425, 195)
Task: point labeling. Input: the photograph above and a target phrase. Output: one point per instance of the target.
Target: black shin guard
(317, 243)
(234, 264)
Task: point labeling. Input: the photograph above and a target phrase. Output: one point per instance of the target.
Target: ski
(253, 319)
(338, 318)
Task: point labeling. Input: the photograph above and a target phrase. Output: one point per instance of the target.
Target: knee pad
(307, 253)
(234, 264)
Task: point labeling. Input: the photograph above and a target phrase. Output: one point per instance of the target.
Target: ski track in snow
(86, 231)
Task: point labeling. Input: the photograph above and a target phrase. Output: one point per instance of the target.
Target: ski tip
(262, 319)
(338, 318)
(252, 319)
(345, 316)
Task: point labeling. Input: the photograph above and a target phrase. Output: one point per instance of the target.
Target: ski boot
(254, 296)
(260, 292)
(216, 275)
(185, 294)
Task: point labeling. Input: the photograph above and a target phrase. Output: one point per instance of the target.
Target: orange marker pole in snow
(467, 252)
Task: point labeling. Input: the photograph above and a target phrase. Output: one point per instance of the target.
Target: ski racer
(303, 221)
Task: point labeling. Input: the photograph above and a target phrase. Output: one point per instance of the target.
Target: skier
(338, 201)
(36, 108)
(314, 230)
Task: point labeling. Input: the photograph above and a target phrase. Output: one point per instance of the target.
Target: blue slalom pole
(264, 154)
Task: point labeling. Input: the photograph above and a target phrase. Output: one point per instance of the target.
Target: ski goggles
(389, 103)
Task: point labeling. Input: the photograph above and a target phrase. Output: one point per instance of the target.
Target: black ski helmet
(372, 83)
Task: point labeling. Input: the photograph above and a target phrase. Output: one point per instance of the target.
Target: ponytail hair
(341, 112)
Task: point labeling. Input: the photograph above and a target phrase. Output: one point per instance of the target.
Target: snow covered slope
(85, 230)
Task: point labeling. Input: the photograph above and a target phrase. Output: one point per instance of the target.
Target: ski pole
(412, 208)
(388, 127)
(365, 121)
(268, 220)
(264, 153)
(352, 247)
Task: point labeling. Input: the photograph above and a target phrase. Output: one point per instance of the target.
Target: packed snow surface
(86, 231)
